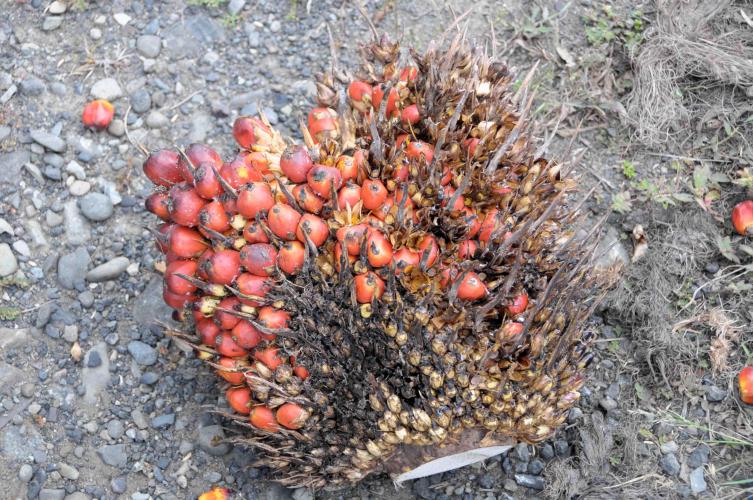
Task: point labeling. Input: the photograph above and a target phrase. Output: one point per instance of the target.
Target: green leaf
(646, 434)
(747, 249)
(621, 202)
(719, 178)
(640, 392)
(725, 248)
(628, 169)
(683, 197)
(9, 313)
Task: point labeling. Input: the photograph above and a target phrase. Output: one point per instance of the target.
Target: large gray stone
(192, 37)
(149, 308)
(96, 206)
(72, 268)
(610, 251)
(11, 165)
(149, 45)
(211, 440)
(113, 455)
(8, 261)
(142, 353)
(13, 337)
(106, 88)
(48, 140)
(109, 270)
(94, 376)
(77, 229)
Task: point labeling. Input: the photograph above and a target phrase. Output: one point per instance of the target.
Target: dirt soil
(96, 403)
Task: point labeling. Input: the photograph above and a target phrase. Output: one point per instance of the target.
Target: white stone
(122, 18)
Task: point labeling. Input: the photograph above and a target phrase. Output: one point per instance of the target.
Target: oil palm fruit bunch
(404, 278)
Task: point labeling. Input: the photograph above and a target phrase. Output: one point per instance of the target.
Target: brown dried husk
(422, 367)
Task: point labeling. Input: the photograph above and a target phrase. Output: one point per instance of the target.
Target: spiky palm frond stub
(406, 277)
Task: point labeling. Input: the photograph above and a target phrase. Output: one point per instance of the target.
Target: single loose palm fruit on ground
(404, 281)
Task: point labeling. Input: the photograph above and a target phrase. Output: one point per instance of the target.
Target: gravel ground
(94, 401)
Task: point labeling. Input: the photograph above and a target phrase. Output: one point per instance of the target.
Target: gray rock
(536, 467)
(79, 188)
(669, 464)
(57, 7)
(119, 484)
(32, 86)
(93, 360)
(11, 165)
(149, 307)
(163, 421)
(138, 418)
(72, 268)
(302, 494)
(77, 229)
(110, 270)
(116, 128)
(58, 88)
(193, 36)
(141, 101)
(608, 403)
(529, 481)
(10, 376)
(96, 206)
(36, 483)
(8, 261)
(78, 496)
(48, 140)
(70, 333)
(155, 119)
(149, 45)
(669, 447)
(715, 394)
(86, 298)
(699, 456)
(25, 473)
(106, 88)
(235, 6)
(115, 428)
(113, 455)
(95, 378)
(52, 23)
(275, 26)
(68, 471)
(142, 353)
(522, 452)
(22, 248)
(210, 439)
(610, 251)
(201, 125)
(49, 494)
(697, 481)
(76, 169)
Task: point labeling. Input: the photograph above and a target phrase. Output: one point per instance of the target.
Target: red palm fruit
(338, 256)
(225, 318)
(252, 285)
(198, 154)
(377, 95)
(470, 145)
(239, 399)
(230, 203)
(98, 114)
(186, 242)
(203, 263)
(158, 203)
(416, 149)
(239, 172)
(256, 198)
(185, 205)
(269, 356)
(350, 194)
(234, 370)
(259, 258)
(360, 95)
(400, 141)
(226, 346)
(283, 221)
(314, 227)
(171, 257)
(323, 124)
(250, 130)
(224, 267)
(742, 218)
(253, 233)
(246, 335)
(472, 287)
(162, 168)
(385, 208)
(428, 245)
(258, 161)
(373, 194)
(273, 318)
(467, 249)
(307, 199)
(295, 163)
(301, 372)
(323, 180)
(405, 257)
(290, 257)
(410, 115)
(162, 238)
(446, 177)
(519, 304)
(205, 181)
(348, 167)
(352, 236)
(291, 416)
(490, 225)
(177, 301)
(369, 286)
(511, 330)
(502, 190)
(447, 193)
(745, 384)
(262, 418)
(360, 160)
(378, 250)
(208, 331)
(214, 216)
(472, 221)
(401, 172)
(408, 74)
(175, 283)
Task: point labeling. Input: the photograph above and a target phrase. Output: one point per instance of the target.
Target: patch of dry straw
(695, 64)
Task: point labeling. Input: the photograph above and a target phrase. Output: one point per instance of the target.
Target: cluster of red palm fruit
(406, 273)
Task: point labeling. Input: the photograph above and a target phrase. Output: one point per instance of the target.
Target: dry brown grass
(693, 72)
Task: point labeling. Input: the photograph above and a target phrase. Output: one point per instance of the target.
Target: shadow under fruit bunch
(406, 280)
